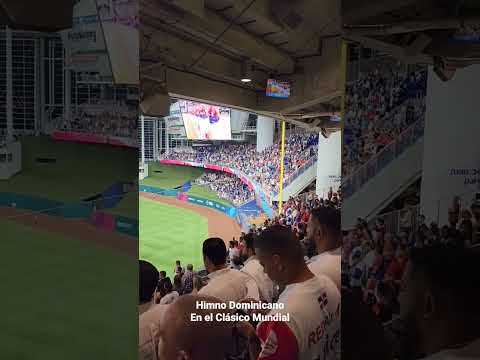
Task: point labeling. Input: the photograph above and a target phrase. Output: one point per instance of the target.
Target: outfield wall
(85, 211)
(181, 196)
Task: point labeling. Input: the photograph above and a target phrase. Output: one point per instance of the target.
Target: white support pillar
(155, 139)
(329, 164)
(451, 152)
(68, 89)
(265, 131)
(167, 140)
(8, 42)
(142, 139)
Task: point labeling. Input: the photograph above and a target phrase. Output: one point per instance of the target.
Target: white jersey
(169, 298)
(265, 285)
(148, 332)
(469, 352)
(328, 263)
(230, 285)
(313, 329)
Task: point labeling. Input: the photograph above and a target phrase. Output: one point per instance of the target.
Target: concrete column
(265, 131)
(9, 95)
(142, 139)
(329, 163)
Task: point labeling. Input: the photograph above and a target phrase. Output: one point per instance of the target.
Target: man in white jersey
(252, 267)
(439, 304)
(148, 331)
(178, 337)
(312, 304)
(224, 283)
(324, 229)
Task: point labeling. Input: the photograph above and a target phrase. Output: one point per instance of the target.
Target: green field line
(68, 294)
(169, 233)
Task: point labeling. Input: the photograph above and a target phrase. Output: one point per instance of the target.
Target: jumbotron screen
(278, 89)
(206, 122)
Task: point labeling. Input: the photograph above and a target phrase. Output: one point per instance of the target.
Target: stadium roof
(200, 49)
(45, 15)
(444, 33)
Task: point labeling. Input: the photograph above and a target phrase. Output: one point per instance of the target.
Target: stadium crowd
(267, 265)
(111, 120)
(376, 263)
(262, 167)
(228, 187)
(381, 105)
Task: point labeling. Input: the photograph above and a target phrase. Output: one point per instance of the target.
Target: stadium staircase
(299, 180)
(377, 182)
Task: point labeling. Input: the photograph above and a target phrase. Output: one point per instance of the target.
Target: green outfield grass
(170, 176)
(205, 193)
(81, 170)
(127, 207)
(70, 299)
(168, 233)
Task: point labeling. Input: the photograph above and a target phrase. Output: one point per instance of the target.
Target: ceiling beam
(327, 98)
(392, 49)
(413, 26)
(235, 40)
(163, 51)
(358, 10)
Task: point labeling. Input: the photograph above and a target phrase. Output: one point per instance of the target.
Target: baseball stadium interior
(312, 164)
(395, 76)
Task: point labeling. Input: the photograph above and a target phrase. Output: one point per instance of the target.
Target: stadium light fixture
(246, 76)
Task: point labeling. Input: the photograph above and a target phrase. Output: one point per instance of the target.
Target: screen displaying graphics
(206, 122)
(468, 36)
(278, 89)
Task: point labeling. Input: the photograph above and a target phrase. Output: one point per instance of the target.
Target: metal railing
(383, 158)
(398, 220)
(298, 172)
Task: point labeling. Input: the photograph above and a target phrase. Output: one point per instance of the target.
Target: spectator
(179, 339)
(148, 279)
(439, 304)
(170, 295)
(256, 271)
(177, 285)
(187, 279)
(362, 335)
(308, 300)
(178, 268)
(324, 229)
(224, 283)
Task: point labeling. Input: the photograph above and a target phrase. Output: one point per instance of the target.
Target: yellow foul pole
(282, 159)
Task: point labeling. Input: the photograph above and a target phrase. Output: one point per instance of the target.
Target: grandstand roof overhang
(198, 49)
(45, 15)
(416, 31)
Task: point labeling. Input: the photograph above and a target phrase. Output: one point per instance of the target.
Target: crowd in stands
(239, 272)
(261, 167)
(103, 119)
(375, 261)
(227, 186)
(380, 105)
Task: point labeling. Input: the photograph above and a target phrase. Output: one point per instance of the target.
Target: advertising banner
(85, 43)
(126, 225)
(93, 138)
(230, 211)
